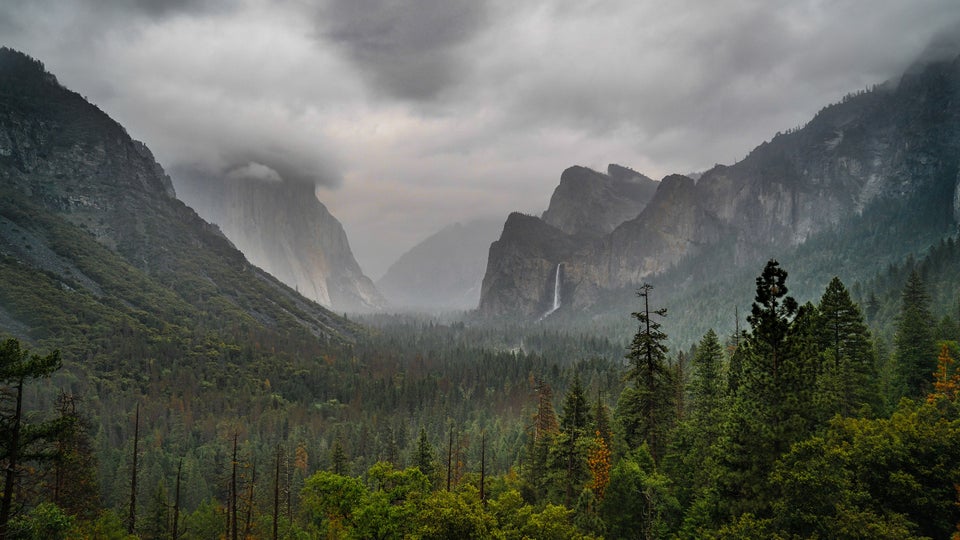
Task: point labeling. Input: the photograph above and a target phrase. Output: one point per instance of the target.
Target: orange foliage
(598, 460)
(944, 385)
(300, 458)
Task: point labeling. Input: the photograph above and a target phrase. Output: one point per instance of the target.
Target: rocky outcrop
(443, 272)
(283, 228)
(877, 151)
(592, 203)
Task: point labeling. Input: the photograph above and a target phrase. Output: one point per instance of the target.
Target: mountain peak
(592, 203)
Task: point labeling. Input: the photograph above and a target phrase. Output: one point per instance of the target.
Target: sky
(410, 115)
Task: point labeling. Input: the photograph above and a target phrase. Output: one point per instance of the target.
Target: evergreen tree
(74, 485)
(19, 439)
(914, 347)
(771, 407)
(338, 458)
(706, 382)
(575, 414)
(848, 379)
(426, 457)
(601, 419)
(651, 379)
(570, 451)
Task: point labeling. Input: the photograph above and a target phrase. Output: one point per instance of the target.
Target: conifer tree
(17, 366)
(914, 346)
(569, 453)
(338, 458)
(706, 390)
(601, 419)
(651, 379)
(768, 411)
(848, 379)
(425, 458)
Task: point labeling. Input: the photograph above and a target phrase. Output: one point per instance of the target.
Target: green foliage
(914, 341)
(897, 476)
(652, 408)
(45, 522)
(638, 501)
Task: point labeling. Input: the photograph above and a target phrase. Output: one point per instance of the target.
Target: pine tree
(574, 417)
(426, 457)
(770, 409)
(573, 423)
(848, 379)
(601, 419)
(651, 378)
(17, 437)
(338, 458)
(914, 347)
(706, 382)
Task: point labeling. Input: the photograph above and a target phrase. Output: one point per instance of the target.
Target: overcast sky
(411, 115)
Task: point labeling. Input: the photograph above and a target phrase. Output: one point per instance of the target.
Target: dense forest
(815, 420)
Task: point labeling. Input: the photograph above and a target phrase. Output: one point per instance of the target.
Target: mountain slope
(878, 153)
(94, 244)
(444, 271)
(284, 229)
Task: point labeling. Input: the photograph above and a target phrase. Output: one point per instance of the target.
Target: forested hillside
(427, 429)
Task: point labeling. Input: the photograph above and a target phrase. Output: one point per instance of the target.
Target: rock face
(283, 228)
(588, 202)
(443, 272)
(69, 174)
(872, 152)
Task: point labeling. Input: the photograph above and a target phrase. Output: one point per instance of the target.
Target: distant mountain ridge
(444, 271)
(876, 149)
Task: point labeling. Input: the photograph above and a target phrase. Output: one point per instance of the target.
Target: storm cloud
(412, 114)
(411, 50)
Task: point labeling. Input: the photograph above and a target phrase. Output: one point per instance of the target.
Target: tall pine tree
(649, 407)
(915, 352)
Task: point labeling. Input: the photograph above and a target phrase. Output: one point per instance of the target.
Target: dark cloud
(159, 8)
(407, 49)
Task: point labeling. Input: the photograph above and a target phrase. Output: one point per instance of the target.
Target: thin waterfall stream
(556, 294)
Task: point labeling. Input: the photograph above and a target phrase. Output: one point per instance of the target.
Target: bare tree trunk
(449, 458)
(483, 469)
(253, 483)
(10, 476)
(176, 503)
(276, 497)
(233, 492)
(132, 518)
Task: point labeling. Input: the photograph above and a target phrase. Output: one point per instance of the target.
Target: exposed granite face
(592, 203)
(876, 147)
(283, 228)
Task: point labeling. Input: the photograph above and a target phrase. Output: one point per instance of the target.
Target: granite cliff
(892, 150)
(283, 228)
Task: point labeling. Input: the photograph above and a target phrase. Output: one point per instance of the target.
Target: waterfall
(556, 294)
